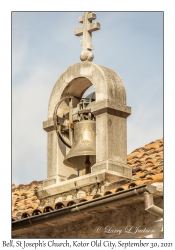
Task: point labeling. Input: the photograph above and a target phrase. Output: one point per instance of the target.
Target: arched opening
(89, 91)
(77, 87)
(76, 97)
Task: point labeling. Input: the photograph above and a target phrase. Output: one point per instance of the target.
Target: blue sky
(44, 45)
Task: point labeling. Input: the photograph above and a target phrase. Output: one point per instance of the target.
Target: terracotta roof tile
(147, 168)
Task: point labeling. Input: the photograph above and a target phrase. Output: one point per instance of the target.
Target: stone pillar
(111, 137)
(56, 151)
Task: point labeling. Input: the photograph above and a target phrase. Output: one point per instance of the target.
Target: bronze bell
(83, 151)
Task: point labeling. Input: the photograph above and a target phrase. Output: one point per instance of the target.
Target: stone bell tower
(108, 110)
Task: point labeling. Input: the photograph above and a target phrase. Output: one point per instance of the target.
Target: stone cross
(86, 31)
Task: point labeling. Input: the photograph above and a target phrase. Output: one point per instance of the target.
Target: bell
(83, 151)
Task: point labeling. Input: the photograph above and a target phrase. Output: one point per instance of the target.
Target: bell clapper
(87, 165)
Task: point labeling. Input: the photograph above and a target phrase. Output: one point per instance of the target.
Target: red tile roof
(147, 167)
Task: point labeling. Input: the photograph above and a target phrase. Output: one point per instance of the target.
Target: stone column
(111, 135)
(56, 151)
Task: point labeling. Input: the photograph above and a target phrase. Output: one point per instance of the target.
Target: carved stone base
(53, 181)
(119, 168)
(56, 180)
(89, 184)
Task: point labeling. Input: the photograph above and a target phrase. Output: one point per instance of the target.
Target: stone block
(121, 170)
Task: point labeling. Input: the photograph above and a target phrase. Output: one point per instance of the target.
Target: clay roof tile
(146, 163)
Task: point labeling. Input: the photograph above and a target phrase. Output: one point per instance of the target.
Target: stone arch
(77, 78)
(110, 110)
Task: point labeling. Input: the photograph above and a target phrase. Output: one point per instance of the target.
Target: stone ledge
(48, 125)
(110, 107)
(103, 176)
(52, 181)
